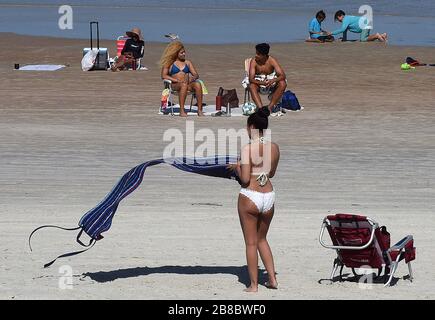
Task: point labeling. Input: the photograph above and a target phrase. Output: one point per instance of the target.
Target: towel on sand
(42, 67)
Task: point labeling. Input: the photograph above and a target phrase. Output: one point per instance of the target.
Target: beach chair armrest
(167, 84)
(322, 231)
(401, 244)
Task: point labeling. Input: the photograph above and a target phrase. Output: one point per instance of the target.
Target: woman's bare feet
(183, 114)
(271, 284)
(201, 114)
(385, 36)
(251, 288)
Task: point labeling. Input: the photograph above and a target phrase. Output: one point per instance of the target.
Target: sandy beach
(365, 143)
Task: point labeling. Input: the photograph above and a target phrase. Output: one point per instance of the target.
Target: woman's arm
(165, 75)
(193, 72)
(343, 28)
(245, 166)
(275, 150)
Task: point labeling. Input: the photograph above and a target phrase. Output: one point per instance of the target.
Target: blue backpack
(289, 101)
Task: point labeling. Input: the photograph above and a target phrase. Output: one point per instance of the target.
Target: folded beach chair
(170, 103)
(361, 244)
(245, 81)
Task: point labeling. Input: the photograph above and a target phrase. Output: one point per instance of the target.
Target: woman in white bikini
(258, 163)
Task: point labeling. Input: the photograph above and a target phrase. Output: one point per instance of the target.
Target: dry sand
(365, 143)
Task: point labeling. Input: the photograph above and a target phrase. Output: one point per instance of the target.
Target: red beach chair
(361, 244)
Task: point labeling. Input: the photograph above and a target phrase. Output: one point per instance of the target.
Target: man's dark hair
(263, 48)
(338, 14)
(321, 14)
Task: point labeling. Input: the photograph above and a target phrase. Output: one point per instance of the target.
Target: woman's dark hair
(259, 119)
(263, 48)
(321, 14)
(339, 13)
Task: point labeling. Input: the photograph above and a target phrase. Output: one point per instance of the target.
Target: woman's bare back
(263, 160)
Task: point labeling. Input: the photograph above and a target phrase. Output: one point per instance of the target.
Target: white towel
(42, 67)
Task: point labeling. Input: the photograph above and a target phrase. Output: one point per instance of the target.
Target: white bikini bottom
(263, 201)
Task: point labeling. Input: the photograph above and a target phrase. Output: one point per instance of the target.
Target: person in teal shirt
(317, 34)
(351, 23)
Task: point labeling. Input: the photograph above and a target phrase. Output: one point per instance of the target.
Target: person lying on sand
(317, 34)
(266, 75)
(352, 24)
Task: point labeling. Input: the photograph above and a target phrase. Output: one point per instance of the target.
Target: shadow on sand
(240, 272)
(357, 279)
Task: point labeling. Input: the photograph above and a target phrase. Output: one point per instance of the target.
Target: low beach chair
(361, 244)
(245, 85)
(120, 42)
(167, 84)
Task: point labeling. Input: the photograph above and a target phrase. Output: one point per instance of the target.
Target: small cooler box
(101, 62)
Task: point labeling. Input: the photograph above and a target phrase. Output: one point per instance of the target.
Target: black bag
(229, 96)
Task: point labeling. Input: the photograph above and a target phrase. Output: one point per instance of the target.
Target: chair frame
(389, 267)
(168, 85)
(247, 96)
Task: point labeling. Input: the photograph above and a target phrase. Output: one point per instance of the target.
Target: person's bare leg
(129, 62)
(376, 36)
(182, 94)
(122, 62)
(248, 215)
(253, 89)
(313, 40)
(197, 88)
(119, 63)
(264, 248)
(276, 96)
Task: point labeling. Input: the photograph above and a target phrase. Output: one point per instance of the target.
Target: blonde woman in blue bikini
(257, 165)
(182, 74)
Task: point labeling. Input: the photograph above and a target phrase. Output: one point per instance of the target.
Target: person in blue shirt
(317, 34)
(352, 24)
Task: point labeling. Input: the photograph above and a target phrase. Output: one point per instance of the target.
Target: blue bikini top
(174, 69)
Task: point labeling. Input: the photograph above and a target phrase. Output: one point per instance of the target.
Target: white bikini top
(262, 177)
